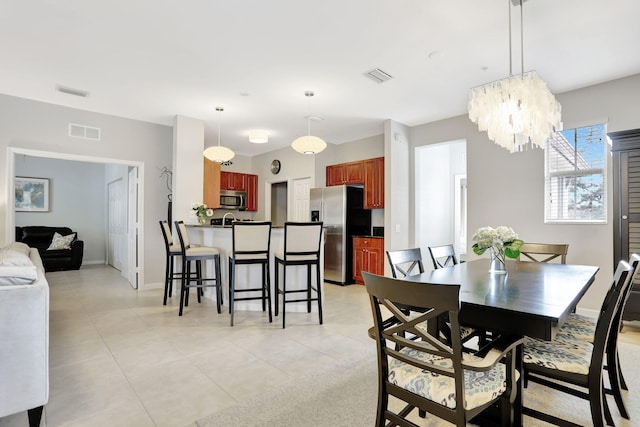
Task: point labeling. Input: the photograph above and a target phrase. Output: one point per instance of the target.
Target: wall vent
(84, 132)
(378, 76)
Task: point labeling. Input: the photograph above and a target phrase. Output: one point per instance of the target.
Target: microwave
(233, 200)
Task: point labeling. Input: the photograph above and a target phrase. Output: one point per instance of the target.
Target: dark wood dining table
(532, 299)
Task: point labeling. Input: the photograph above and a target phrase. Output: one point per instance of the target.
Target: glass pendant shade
(308, 144)
(218, 154)
(518, 112)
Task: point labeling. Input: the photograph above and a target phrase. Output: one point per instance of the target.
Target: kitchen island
(221, 237)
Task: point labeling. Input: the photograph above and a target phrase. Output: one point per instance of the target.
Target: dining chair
(405, 262)
(443, 256)
(301, 248)
(544, 252)
(426, 373)
(172, 251)
(557, 364)
(251, 242)
(197, 254)
(582, 328)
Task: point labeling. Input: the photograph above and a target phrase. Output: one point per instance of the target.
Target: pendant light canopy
(518, 112)
(218, 153)
(308, 144)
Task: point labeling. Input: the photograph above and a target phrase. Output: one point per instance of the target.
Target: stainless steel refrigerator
(340, 209)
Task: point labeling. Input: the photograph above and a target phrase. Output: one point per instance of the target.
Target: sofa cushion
(16, 268)
(61, 242)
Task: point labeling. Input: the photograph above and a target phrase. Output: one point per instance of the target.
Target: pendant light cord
(521, 41)
(219, 110)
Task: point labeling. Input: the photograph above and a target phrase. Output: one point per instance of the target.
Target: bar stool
(251, 245)
(198, 254)
(301, 247)
(172, 251)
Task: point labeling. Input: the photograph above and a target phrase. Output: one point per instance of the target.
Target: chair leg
(167, 277)
(596, 403)
(268, 286)
(613, 370)
(199, 280)
(277, 287)
(319, 292)
(284, 293)
(216, 263)
(230, 270)
(183, 288)
(232, 287)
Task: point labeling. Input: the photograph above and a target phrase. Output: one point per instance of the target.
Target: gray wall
(39, 126)
(79, 204)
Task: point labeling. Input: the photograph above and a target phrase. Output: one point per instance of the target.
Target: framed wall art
(32, 194)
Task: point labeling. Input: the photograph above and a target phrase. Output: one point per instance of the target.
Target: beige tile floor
(120, 358)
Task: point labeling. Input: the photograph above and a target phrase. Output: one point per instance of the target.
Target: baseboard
(148, 286)
(588, 312)
(103, 262)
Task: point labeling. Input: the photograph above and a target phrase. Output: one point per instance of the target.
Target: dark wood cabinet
(374, 183)
(252, 192)
(368, 255)
(626, 207)
(345, 173)
(233, 181)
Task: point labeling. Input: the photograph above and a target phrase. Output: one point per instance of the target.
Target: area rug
(345, 395)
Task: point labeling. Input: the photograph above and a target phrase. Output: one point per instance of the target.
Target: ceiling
(152, 59)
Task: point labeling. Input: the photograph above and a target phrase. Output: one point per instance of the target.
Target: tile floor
(120, 358)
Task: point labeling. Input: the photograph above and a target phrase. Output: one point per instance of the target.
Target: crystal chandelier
(218, 153)
(308, 144)
(518, 112)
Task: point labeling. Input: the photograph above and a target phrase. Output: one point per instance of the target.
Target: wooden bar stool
(301, 247)
(172, 250)
(251, 245)
(198, 254)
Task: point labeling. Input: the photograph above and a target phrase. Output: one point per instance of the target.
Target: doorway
(12, 153)
(279, 203)
(441, 193)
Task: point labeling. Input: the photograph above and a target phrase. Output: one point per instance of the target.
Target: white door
(116, 224)
(132, 229)
(301, 211)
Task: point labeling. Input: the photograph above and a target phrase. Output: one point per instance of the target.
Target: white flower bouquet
(202, 212)
(501, 241)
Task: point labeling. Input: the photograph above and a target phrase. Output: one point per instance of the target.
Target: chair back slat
(183, 236)
(166, 233)
(443, 256)
(405, 262)
(544, 252)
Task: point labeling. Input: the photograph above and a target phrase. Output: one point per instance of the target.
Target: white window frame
(552, 196)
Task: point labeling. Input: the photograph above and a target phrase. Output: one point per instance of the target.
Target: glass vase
(497, 265)
(202, 220)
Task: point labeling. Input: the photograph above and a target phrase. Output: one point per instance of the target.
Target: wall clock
(275, 166)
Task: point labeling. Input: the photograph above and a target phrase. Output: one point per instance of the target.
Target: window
(575, 175)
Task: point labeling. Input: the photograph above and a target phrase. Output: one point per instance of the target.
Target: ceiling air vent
(84, 132)
(378, 76)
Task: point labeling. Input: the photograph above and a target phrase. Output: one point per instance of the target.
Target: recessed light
(258, 136)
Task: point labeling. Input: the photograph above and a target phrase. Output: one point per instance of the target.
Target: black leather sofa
(40, 237)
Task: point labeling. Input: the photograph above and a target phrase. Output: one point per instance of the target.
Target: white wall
(35, 125)
(508, 189)
(79, 204)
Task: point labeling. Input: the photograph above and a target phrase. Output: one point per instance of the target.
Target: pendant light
(218, 153)
(308, 144)
(518, 112)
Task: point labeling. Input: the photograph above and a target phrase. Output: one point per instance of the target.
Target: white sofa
(24, 333)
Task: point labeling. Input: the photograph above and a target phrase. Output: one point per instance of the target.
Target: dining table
(532, 299)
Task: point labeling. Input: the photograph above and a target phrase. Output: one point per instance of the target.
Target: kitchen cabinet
(211, 184)
(252, 192)
(345, 173)
(368, 255)
(374, 183)
(233, 181)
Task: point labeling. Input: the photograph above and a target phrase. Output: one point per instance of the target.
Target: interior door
(116, 224)
(132, 228)
(301, 206)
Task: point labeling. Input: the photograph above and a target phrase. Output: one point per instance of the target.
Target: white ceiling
(153, 59)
